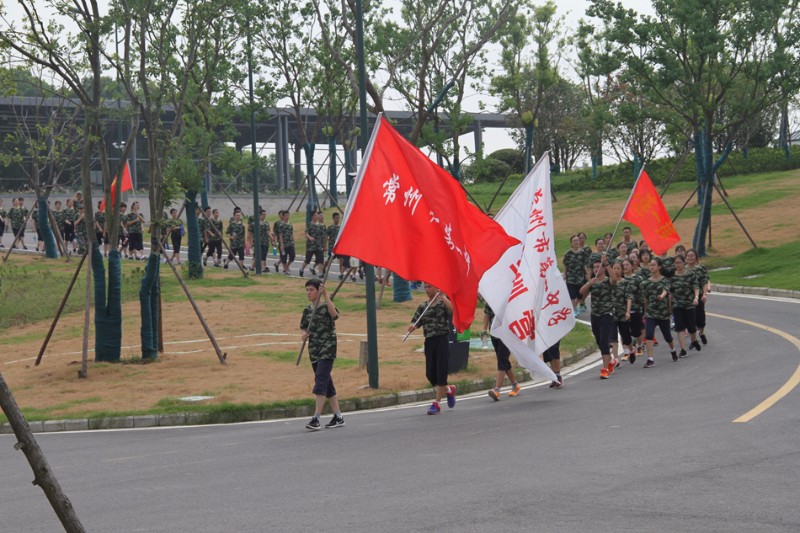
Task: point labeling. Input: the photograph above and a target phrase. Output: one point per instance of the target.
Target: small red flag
(127, 185)
(647, 212)
(409, 215)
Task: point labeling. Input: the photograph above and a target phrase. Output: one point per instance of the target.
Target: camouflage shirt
(322, 334)
(436, 320)
(70, 215)
(263, 232)
(100, 221)
(3, 214)
(702, 276)
(633, 291)
(594, 257)
(318, 232)
(287, 233)
(332, 233)
(136, 227)
(613, 255)
(212, 235)
(574, 265)
(35, 217)
(17, 216)
(602, 298)
(682, 287)
(668, 266)
(643, 273)
(621, 292)
(651, 289)
(60, 217)
(631, 245)
(236, 233)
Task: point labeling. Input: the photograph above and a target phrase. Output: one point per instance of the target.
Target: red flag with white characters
(525, 290)
(646, 211)
(409, 215)
(127, 185)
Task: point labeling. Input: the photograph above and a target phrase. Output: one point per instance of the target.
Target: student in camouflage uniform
(601, 289)
(626, 238)
(320, 332)
(18, 214)
(595, 257)
(435, 323)
(134, 222)
(100, 228)
(276, 231)
(236, 235)
(263, 238)
(634, 310)
(622, 317)
(655, 293)
(214, 237)
(59, 216)
(574, 271)
(685, 291)
(286, 240)
(705, 288)
(503, 354)
(69, 224)
(174, 227)
(35, 220)
(315, 244)
(3, 216)
(80, 231)
(645, 258)
(332, 233)
(202, 224)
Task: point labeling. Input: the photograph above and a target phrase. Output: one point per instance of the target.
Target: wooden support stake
(83, 373)
(222, 356)
(60, 310)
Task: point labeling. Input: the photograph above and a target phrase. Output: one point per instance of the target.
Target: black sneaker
(682, 354)
(301, 272)
(703, 339)
(336, 422)
(650, 363)
(695, 345)
(632, 358)
(675, 355)
(313, 424)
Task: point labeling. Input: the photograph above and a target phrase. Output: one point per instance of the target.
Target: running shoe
(434, 409)
(336, 422)
(494, 394)
(557, 384)
(650, 363)
(655, 342)
(611, 366)
(301, 272)
(616, 362)
(675, 354)
(632, 358)
(703, 339)
(313, 424)
(696, 346)
(604, 373)
(451, 396)
(515, 389)
(682, 354)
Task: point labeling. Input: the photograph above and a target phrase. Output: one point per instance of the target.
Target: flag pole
(423, 313)
(635, 183)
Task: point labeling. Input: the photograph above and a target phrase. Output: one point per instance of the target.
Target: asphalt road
(647, 450)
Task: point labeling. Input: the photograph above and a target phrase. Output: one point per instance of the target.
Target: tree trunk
(195, 262)
(312, 204)
(43, 474)
(148, 300)
(108, 306)
(43, 223)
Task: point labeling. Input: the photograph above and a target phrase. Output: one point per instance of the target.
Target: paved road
(647, 450)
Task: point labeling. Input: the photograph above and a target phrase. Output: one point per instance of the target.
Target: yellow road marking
(787, 387)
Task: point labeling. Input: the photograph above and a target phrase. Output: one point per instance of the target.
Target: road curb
(756, 291)
(269, 413)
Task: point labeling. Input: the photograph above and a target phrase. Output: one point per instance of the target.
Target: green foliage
(486, 170)
(512, 157)
(759, 267)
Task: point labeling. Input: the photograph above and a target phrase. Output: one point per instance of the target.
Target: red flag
(127, 185)
(647, 212)
(409, 215)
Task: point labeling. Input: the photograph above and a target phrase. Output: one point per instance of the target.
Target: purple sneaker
(434, 409)
(451, 396)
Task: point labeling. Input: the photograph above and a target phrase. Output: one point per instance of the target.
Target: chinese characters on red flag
(525, 289)
(646, 211)
(409, 215)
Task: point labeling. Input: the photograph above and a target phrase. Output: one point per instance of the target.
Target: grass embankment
(759, 267)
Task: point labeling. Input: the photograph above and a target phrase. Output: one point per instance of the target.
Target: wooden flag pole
(431, 302)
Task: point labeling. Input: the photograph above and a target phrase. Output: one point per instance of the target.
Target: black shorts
(17, 230)
(574, 290)
(624, 329)
(38, 234)
(700, 315)
(214, 246)
(317, 255)
(685, 319)
(101, 238)
(69, 232)
(503, 353)
(636, 323)
(345, 259)
(288, 255)
(175, 237)
(603, 329)
(239, 250)
(323, 382)
(663, 325)
(436, 351)
(553, 353)
(135, 242)
(264, 253)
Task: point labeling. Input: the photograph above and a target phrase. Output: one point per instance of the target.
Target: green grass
(773, 267)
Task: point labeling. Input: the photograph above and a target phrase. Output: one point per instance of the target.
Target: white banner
(525, 289)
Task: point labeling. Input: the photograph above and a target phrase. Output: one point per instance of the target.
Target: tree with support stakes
(697, 59)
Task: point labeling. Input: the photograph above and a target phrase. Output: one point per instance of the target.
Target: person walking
(685, 292)
(655, 293)
(601, 289)
(502, 353)
(318, 327)
(435, 323)
(701, 273)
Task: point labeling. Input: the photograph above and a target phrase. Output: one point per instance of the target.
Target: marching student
(502, 353)
(435, 324)
(655, 292)
(315, 242)
(174, 227)
(622, 317)
(236, 234)
(685, 291)
(602, 316)
(705, 288)
(286, 240)
(134, 222)
(634, 310)
(574, 272)
(318, 327)
(69, 225)
(214, 237)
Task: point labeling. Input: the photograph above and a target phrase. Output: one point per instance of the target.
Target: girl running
(622, 316)
(705, 288)
(655, 292)
(602, 316)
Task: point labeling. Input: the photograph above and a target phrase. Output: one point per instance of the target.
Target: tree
(694, 57)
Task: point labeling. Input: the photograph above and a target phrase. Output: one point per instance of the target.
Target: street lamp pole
(363, 138)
